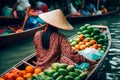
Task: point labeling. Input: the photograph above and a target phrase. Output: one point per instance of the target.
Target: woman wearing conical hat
(52, 46)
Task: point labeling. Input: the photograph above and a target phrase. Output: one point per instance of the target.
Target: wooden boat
(10, 38)
(31, 59)
(78, 19)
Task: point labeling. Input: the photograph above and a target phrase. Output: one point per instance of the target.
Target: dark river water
(110, 69)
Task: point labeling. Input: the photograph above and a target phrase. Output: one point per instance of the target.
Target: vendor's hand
(77, 66)
(22, 27)
(91, 62)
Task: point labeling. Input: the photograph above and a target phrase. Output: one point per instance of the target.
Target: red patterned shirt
(59, 51)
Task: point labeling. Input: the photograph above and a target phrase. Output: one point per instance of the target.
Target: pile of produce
(89, 36)
(61, 71)
(16, 74)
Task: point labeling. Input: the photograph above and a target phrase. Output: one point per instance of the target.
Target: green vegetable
(61, 77)
(96, 37)
(90, 29)
(49, 78)
(62, 65)
(86, 25)
(83, 76)
(73, 74)
(54, 66)
(50, 72)
(77, 71)
(55, 75)
(100, 41)
(68, 77)
(82, 28)
(85, 32)
(70, 68)
(62, 71)
(96, 31)
(77, 78)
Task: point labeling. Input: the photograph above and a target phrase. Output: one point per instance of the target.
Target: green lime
(73, 74)
(78, 33)
(96, 37)
(55, 75)
(62, 71)
(96, 31)
(83, 76)
(61, 77)
(77, 78)
(82, 28)
(62, 66)
(85, 32)
(68, 77)
(70, 68)
(87, 35)
(89, 28)
(100, 41)
(101, 36)
(86, 25)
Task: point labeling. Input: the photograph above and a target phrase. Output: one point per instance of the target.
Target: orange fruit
(2, 79)
(28, 75)
(18, 74)
(88, 44)
(93, 41)
(77, 47)
(14, 70)
(5, 76)
(81, 37)
(99, 45)
(37, 70)
(20, 78)
(81, 43)
(85, 40)
(24, 72)
(19, 31)
(11, 76)
(29, 69)
(95, 46)
(82, 47)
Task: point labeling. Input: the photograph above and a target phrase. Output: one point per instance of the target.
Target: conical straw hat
(57, 19)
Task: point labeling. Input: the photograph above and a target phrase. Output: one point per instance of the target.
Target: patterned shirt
(59, 51)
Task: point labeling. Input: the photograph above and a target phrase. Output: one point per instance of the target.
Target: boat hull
(31, 60)
(78, 19)
(16, 37)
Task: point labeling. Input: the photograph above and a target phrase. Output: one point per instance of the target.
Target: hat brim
(57, 19)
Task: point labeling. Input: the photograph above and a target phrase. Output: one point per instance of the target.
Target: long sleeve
(67, 51)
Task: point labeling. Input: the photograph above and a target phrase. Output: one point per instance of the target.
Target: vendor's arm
(14, 10)
(26, 16)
